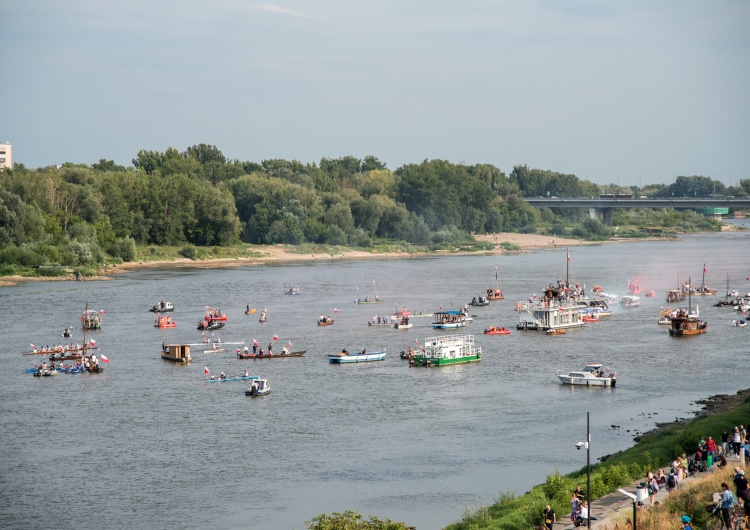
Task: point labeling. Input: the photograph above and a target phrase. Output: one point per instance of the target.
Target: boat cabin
(179, 353)
(91, 319)
(452, 318)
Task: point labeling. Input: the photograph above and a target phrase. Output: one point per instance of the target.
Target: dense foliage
(83, 216)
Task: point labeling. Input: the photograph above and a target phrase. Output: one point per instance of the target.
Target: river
(149, 444)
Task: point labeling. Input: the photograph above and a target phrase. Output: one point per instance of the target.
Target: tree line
(78, 215)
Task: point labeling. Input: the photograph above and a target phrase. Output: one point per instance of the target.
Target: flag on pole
(275, 337)
(101, 312)
(206, 370)
(290, 344)
(104, 359)
(93, 343)
(33, 347)
(335, 310)
(208, 308)
(441, 307)
(417, 341)
(255, 342)
(568, 256)
(704, 268)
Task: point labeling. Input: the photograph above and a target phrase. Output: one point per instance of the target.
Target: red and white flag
(335, 310)
(33, 347)
(255, 342)
(417, 341)
(704, 268)
(441, 307)
(290, 344)
(275, 337)
(208, 308)
(206, 370)
(104, 359)
(93, 343)
(101, 312)
(568, 257)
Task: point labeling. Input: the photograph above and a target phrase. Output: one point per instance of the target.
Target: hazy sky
(612, 91)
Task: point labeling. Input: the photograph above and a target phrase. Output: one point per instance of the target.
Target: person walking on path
(549, 517)
(727, 501)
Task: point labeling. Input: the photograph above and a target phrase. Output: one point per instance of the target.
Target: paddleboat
(492, 330)
(591, 375)
(344, 357)
(260, 387)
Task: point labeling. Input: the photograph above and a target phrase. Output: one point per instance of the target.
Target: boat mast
(567, 268)
(690, 297)
(497, 287)
(703, 282)
(85, 316)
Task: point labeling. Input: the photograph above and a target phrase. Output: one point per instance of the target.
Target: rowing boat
(216, 379)
(269, 355)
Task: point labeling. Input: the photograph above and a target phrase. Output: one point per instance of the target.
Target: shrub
(189, 252)
(350, 520)
(124, 248)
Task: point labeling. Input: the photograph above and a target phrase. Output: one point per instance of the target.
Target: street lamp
(587, 445)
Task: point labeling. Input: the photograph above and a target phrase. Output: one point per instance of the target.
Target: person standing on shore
(736, 441)
(549, 517)
(724, 440)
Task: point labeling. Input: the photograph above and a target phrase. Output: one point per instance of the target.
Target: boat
(555, 311)
(492, 330)
(44, 372)
(703, 289)
(403, 324)
(367, 300)
(251, 311)
(598, 308)
(527, 325)
(90, 319)
(591, 318)
(597, 288)
(164, 322)
(610, 298)
(560, 331)
(262, 318)
(675, 295)
(650, 294)
(67, 356)
(665, 316)
(60, 349)
(479, 302)
(496, 293)
(292, 290)
(225, 379)
(687, 323)
(344, 357)
(209, 325)
(162, 307)
(591, 375)
(384, 321)
(408, 354)
(324, 321)
(448, 319)
(260, 387)
(634, 288)
(630, 301)
(215, 314)
(67, 332)
(450, 349)
(420, 314)
(739, 323)
(241, 355)
(178, 353)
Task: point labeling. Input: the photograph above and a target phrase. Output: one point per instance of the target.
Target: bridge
(603, 208)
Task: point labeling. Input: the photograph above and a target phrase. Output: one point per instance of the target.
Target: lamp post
(587, 445)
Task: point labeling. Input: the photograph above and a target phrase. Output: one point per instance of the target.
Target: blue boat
(216, 379)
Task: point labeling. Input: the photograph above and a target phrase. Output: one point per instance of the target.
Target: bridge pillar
(595, 213)
(608, 215)
(602, 214)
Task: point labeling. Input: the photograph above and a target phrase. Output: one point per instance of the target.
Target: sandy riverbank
(286, 254)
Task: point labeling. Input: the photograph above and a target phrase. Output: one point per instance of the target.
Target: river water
(149, 444)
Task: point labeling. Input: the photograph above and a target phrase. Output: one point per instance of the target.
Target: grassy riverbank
(653, 450)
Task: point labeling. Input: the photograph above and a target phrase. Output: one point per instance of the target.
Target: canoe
(269, 355)
(233, 378)
(251, 311)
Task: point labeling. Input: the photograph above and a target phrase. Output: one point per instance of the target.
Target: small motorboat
(403, 324)
(357, 357)
(492, 330)
(164, 322)
(260, 387)
(67, 332)
(479, 302)
(739, 323)
(211, 324)
(650, 294)
(591, 318)
(163, 306)
(558, 331)
(591, 375)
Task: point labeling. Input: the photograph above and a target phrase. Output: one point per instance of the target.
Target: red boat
(492, 330)
(215, 315)
(590, 318)
(650, 294)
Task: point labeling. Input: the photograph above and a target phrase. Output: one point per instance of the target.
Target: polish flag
(208, 308)
(441, 307)
(93, 343)
(101, 312)
(704, 268)
(417, 341)
(290, 344)
(568, 257)
(33, 347)
(104, 358)
(275, 337)
(206, 370)
(255, 342)
(335, 310)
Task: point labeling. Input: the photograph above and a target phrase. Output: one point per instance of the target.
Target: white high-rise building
(6, 156)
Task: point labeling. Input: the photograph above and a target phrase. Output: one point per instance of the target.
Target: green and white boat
(449, 349)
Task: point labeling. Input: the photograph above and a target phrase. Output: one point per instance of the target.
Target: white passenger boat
(591, 375)
(358, 357)
(630, 301)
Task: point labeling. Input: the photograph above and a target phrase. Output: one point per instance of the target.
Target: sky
(630, 92)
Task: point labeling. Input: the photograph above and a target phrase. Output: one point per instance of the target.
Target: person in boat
(222, 376)
(322, 318)
(261, 352)
(364, 351)
(248, 307)
(284, 350)
(164, 346)
(246, 350)
(269, 348)
(245, 374)
(343, 350)
(255, 348)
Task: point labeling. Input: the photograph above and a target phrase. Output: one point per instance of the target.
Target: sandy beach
(287, 254)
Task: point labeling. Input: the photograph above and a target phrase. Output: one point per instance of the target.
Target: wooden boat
(665, 316)
(344, 357)
(260, 387)
(250, 311)
(325, 321)
(164, 322)
(558, 331)
(687, 324)
(367, 300)
(56, 357)
(496, 293)
(211, 324)
(91, 319)
(58, 350)
(591, 375)
(450, 349)
(162, 307)
(178, 353)
(492, 330)
(219, 379)
(386, 322)
(241, 355)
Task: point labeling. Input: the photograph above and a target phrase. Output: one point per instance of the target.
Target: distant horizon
(622, 92)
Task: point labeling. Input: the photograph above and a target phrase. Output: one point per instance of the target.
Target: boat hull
(328, 323)
(585, 381)
(337, 358)
(422, 361)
